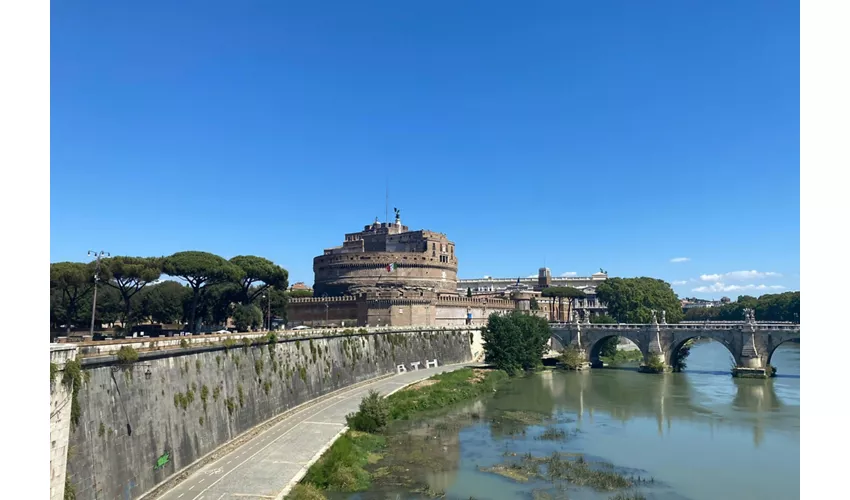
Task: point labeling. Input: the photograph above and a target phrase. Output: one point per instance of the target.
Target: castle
(388, 275)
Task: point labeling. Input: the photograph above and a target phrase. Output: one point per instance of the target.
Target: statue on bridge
(654, 318)
(663, 317)
(749, 315)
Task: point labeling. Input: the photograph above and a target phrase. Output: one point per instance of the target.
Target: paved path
(268, 465)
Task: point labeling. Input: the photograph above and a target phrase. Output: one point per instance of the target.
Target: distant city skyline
(656, 139)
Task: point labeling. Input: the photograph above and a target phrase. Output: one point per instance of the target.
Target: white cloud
(680, 259)
(739, 276)
(531, 276)
(680, 282)
(721, 287)
(568, 274)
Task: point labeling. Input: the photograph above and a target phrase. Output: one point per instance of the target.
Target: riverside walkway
(269, 464)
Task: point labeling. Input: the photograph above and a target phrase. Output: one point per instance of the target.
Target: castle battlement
(475, 302)
(316, 300)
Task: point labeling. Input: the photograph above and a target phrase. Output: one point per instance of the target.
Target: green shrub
(571, 358)
(70, 491)
(127, 355)
(184, 343)
(72, 378)
(372, 416)
(516, 342)
(655, 364)
(205, 392)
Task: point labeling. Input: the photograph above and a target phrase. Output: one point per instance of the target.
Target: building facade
(504, 287)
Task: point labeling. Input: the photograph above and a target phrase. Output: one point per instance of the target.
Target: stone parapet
(473, 302)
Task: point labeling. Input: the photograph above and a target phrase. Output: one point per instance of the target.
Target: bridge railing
(681, 326)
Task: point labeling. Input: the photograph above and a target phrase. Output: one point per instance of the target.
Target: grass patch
(633, 495)
(523, 417)
(623, 357)
(305, 492)
(452, 387)
(341, 468)
(553, 434)
(513, 471)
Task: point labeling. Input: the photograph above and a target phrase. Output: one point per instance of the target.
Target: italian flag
(391, 267)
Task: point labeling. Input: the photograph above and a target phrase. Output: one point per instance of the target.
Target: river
(699, 434)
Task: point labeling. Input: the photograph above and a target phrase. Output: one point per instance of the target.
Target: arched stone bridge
(751, 343)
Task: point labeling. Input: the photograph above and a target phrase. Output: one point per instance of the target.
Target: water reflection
(742, 434)
(715, 399)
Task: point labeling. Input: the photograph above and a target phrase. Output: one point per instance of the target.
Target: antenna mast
(387, 200)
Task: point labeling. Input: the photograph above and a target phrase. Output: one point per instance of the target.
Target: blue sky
(619, 135)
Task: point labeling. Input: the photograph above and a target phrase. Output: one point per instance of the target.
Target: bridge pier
(750, 366)
(655, 359)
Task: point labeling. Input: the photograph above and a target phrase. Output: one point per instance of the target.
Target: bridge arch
(772, 349)
(597, 340)
(682, 342)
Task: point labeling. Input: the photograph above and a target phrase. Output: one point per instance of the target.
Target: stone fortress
(388, 275)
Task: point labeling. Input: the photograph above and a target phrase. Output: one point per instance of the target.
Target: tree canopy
(561, 293)
(133, 294)
(515, 342)
(163, 302)
(129, 275)
(259, 275)
(772, 307)
(299, 293)
(200, 270)
(631, 300)
(72, 281)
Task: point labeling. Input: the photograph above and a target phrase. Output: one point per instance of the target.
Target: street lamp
(97, 256)
(269, 314)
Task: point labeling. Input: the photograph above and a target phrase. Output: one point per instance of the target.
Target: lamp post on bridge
(97, 256)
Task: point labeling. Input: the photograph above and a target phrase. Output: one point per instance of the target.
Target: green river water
(700, 434)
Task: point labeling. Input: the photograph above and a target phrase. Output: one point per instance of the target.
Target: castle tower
(544, 278)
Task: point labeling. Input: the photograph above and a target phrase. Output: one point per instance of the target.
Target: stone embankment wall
(60, 417)
(142, 422)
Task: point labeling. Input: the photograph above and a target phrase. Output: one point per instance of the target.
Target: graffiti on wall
(162, 460)
(415, 366)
